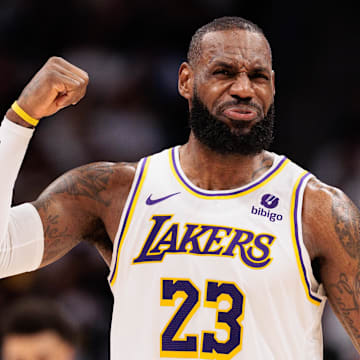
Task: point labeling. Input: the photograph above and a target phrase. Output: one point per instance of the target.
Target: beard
(219, 137)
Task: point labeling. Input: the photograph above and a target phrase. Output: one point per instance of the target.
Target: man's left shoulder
(328, 216)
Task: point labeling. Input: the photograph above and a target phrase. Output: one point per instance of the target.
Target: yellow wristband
(26, 117)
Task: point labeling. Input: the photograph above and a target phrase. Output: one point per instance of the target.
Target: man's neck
(213, 171)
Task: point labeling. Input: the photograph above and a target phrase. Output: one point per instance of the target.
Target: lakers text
(166, 237)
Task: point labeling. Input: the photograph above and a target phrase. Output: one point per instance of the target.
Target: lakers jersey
(199, 274)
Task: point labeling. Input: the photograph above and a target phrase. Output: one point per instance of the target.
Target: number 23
(211, 348)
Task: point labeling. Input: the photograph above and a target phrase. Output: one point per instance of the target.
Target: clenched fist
(55, 86)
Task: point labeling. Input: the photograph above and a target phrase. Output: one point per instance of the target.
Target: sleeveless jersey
(201, 274)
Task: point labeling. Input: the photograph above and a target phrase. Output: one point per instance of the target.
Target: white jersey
(201, 274)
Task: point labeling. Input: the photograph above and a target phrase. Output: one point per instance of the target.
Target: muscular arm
(332, 235)
(84, 204)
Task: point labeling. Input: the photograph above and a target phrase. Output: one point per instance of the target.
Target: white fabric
(174, 238)
(19, 252)
(22, 247)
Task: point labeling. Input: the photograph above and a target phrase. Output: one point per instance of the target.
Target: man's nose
(242, 87)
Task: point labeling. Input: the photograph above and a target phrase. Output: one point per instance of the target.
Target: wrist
(15, 118)
(28, 109)
(23, 115)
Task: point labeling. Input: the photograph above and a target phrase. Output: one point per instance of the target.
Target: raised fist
(55, 86)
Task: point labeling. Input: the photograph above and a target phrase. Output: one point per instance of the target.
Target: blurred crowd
(132, 51)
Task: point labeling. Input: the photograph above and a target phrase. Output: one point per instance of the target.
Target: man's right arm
(80, 206)
(57, 85)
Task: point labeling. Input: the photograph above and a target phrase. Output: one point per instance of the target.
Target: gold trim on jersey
(223, 194)
(295, 234)
(129, 213)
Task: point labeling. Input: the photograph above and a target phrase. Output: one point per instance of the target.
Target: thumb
(63, 99)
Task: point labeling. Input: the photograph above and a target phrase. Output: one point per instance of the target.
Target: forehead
(240, 46)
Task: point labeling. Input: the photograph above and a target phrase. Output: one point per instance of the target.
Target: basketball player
(218, 249)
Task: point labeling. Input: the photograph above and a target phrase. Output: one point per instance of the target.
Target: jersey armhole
(126, 216)
(314, 291)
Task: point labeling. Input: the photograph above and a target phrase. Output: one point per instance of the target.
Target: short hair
(219, 24)
(32, 316)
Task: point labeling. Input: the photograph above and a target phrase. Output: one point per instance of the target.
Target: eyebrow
(260, 69)
(222, 63)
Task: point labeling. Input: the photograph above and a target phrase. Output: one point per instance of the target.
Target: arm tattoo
(44, 203)
(60, 231)
(56, 237)
(345, 293)
(87, 181)
(347, 226)
(346, 298)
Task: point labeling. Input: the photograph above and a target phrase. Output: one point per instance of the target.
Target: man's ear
(186, 81)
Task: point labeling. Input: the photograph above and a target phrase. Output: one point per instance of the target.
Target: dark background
(132, 51)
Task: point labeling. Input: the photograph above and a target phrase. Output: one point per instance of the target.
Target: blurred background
(132, 51)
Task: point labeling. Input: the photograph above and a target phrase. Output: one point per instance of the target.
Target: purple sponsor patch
(269, 201)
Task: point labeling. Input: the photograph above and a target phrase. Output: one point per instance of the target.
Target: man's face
(46, 345)
(232, 94)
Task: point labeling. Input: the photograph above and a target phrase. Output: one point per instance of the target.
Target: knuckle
(51, 74)
(55, 59)
(81, 83)
(85, 78)
(85, 82)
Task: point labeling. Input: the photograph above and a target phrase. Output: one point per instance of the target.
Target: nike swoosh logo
(150, 201)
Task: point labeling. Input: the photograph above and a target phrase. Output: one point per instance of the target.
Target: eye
(259, 76)
(224, 72)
